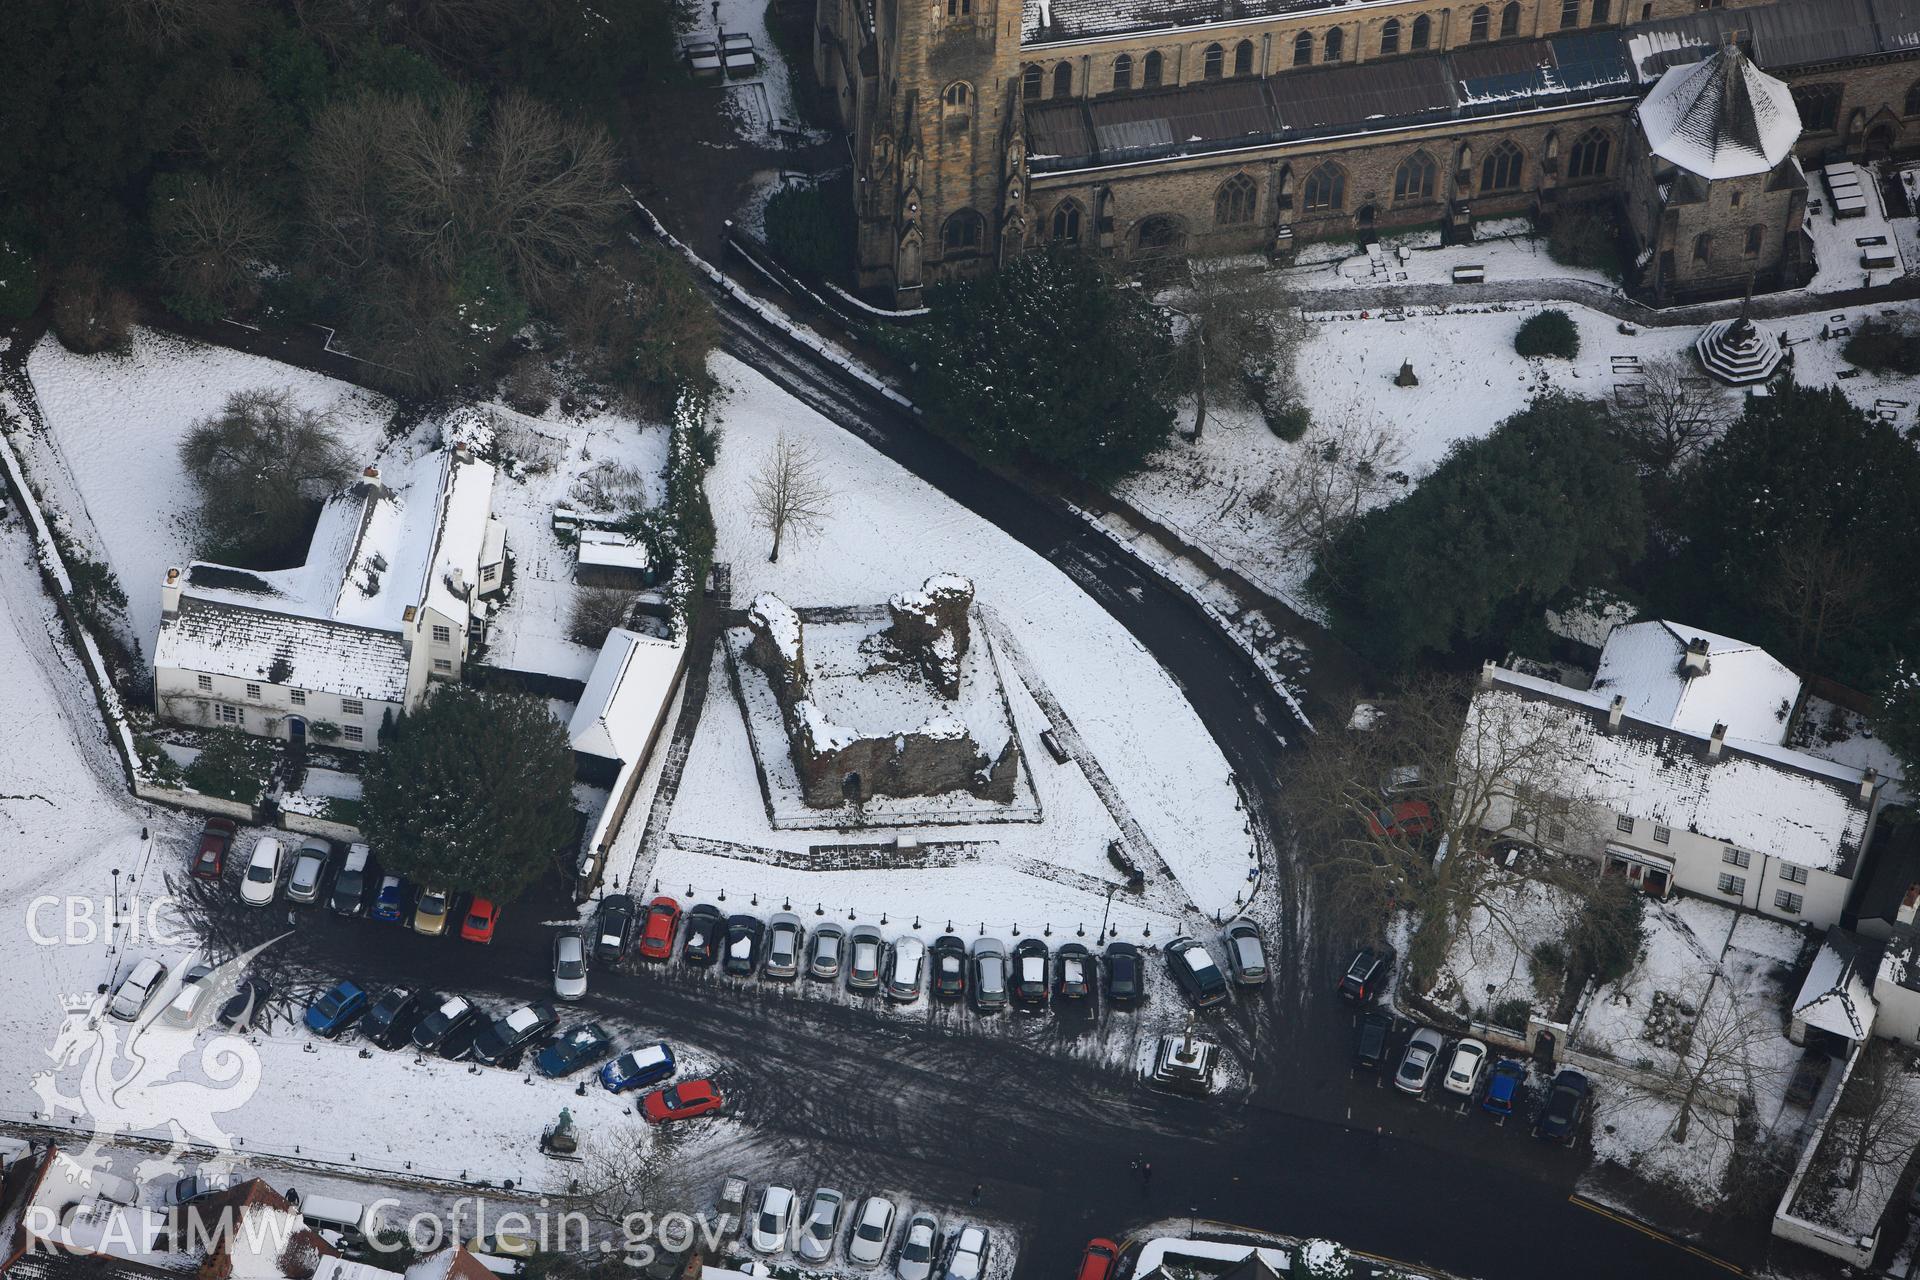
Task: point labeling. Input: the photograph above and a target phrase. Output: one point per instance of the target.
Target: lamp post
(1109, 908)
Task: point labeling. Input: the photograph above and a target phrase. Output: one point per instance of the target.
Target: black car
(394, 1016)
(507, 1036)
(614, 930)
(1366, 975)
(1027, 980)
(746, 936)
(1197, 972)
(705, 929)
(949, 967)
(449, 1030)
(1370, 1040)
(349, 894)
(1566, 1103)
(1073, 972)
(586, 1043)
(247, 1003)
(1126, 979)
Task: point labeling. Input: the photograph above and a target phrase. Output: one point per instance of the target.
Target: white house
(1676, 753)
(388, 598)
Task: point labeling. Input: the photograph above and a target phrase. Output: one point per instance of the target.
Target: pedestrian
(1146, 1172)
(975, 1197)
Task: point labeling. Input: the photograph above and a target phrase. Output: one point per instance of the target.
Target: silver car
(826, 952)
(309, 864)
(1417, 1063)
(137, 990)
(866, 956)
(569, 967)
(917, 1245)
(814, 1243)
(989, 985)
(906, 969)
(1246, 952)
(786, 943)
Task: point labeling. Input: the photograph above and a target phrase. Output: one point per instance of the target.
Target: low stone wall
(308, 825)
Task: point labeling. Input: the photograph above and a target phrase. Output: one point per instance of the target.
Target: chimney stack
(371, 472)
(1486, 674)
(1615, 711)
(1695, 662)
(1869, 783)
(1717, 743)
(170, 595)
(1909, 906)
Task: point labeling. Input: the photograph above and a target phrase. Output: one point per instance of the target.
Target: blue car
(638, 1068)
(337, 1010)
(1503, 1087)
(390, 904)
(586, 1043)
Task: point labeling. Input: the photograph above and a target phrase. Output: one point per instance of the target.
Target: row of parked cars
(828, 1222)
(1465, 1068)
(136, 989)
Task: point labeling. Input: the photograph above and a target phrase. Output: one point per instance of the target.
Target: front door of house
(297, 731)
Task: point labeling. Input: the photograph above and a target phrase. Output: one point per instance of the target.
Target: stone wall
(929, 629)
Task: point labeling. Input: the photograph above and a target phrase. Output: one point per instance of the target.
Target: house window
(1591, 151)
(959, 8)
(1502, 169)
(1624, 824)
(1214, 63)
(1569, 13)
(253, 691)
(958, 95)
(353, 733)
(1819, 106)
(1793, 875)
(1032, 81)
(299, 697)
(1703, 248)
(1152, 78)
(443, 664)
(1510, 21)
(227, 713)
(1325, 189)
(1233, 203)
(1066, 222)
(1662, 835)
(1788, 902)
(1063, 80)
(1161, 231)
(1243, 58)
(1756, 236)
(206, 684)
(1414, 179)
(961, 234)
(442, 635)
(1477, 27)
(1390, 36)
(1737, 857)
(489, 572)
(1302, 49)
(1122, 73)
(1336, 43)
(1556, 830)
(1735, 885)
(1733, 199)
(352, 707)
(1602, 10)
(1422, 32)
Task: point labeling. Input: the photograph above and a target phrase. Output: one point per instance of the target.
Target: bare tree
(260, 463)
(1875, 1119)
(1243, 332)
(1341, 468)
(1673, 414)
(211, 238)
(166, 22)
(621, 1174)
(596, 611)
(546, 191)
(1821, 587)
(790, 491)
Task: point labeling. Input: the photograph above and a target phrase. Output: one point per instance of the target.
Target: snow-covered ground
(1418, 257)
(1491, 960)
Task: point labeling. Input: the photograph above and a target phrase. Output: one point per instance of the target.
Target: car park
(1126, 975)
(786, 944)
(309, 868)
(1559, 1119)
(195, 1186)
(1097, 1259)
(989, 975)
(1401, 820)
(865, 957)
(190, 998)
(479, 921)
(1194, 969)
(867, 1243)
(581, 1046)
(506, 1037)
(390, 1023)
(948, 967)
(137, 989)
(773, 1219)
(569, 966)
(1503, 1087)
(683, 1101)
(349, 896)
(1246, 952)
(1417, 1062)
(821, 1228)
(1366, 974)
(248, 1002)
(450, 1029)
(917, 1245)
(637, 1068)
(1370, 1040)
(210, 855)
(1028, 983)
(613, 928)
(430, 910)
(1463, 1069)
(656, 938)
(966, 1254)
(389, 900)
(261, 883)
(336, 1009)
(746, 935)
(705, 929)
(1073, 972)
(826, 952)
(906, 968)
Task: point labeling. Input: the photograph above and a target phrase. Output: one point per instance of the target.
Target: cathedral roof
(1721, 117)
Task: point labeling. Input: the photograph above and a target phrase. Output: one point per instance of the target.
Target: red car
(663, 918)
(1097, 1262)
(477, 925)
(1407, 818)
(682, 1101)
(215, 839)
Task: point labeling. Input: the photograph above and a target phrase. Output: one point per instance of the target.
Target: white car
(967, 1255)
(1463, 1073)
(137, 990)
(815, 1242)
(262, 881)
(773, 1220)
(917, 1244)
(569, 967)
(868, 1243)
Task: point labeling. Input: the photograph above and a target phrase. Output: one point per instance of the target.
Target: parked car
(194, 1186)
(773, 1219)
(349, 896)
(1073, 972)
(868, 1242)
(482, 916)
(821, 1227)
(1402, 820)
(1463, 1070)
(917, 1244)
(637, 1068)
(389, 900)
(705, 929)
(450, 1029)
(1416, 1063)
(681, 1101)
(189, 999)
(614, 929)
(746, 935)
(338, 1008)
(786, 944)
(137, 989)
(1194, 969)
(390, 1023)
(262, 882)
(1029, 973)
(989, 975)
(1400, 781)
(826, 952)
(210, 857)
(966, 1254)
(506, 1037)
(246, 1003)
(309, 868)
(906, 969)
(656, 939)
(1367, 972)
(1126, 978)
(1503, 1087)
(865, 956)
(1246, 952)
(431, 908)
(1370, 1040)
(1097, 1260)
(1566, 1103)
(949, 967)
(582, 1046)
(569, 966)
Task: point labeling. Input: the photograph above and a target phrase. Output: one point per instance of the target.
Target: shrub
(233, 766)
(810, 228)
(1884, 348)
(1605, 939)
(1549, 333)
(1551, 955)
(286, 458)
(1585, 238)
(90, 315)
(596, 611)
(1511, 1014)
(19, 280)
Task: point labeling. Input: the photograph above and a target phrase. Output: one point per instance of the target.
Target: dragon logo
(144, 1078)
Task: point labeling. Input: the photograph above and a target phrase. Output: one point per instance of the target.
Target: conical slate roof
(1720, 118)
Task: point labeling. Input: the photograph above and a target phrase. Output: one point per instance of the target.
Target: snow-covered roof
(275, 648)
(1766, 799)
(1590, 617)
(626, 695)
(1744, 687)
(1836, 996)
(453, 1263)
(1721, 117)
(608, 549)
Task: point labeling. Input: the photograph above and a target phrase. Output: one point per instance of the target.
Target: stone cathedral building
(985, 128)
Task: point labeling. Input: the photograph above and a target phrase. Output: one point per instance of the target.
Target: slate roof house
(391, 591)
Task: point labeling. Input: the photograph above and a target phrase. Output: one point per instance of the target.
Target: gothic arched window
(1063, 80)
(1152, 78)
(1065, 223)
(1590, 153)
(1510, 20)
(962, 232)
(1325, 189)
(1336, 40)
(1122, 73)
(1502, 168)
(1390, 36)
(1233, 202)
(1477, 26)
(1243, 58)
(1214, 62)
(1422, 32)
(1302, 49)
(1415, 178)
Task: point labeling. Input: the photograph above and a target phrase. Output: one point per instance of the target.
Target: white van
(331, 1213)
